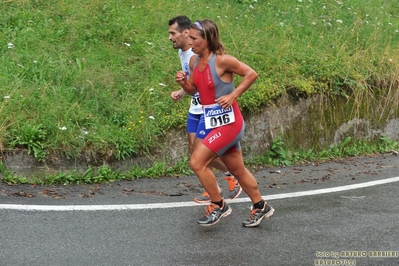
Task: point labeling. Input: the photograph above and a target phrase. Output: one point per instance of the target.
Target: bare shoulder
(193, 57)
(226, 61)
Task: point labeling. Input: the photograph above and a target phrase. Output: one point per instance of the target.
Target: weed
(32, 137)
(277, 155)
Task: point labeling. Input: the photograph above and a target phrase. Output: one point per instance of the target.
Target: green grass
(96, 75)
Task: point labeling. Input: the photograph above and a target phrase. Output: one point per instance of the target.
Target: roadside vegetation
(276, 156)
(96, 75)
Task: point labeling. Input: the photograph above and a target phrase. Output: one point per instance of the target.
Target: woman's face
(198, 44)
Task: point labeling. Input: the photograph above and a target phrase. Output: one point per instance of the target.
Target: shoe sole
(205, 201)
(202, 201)
(237, 195)
(223, 215)
(266, 216)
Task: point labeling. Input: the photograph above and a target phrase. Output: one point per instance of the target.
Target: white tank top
(195, 106)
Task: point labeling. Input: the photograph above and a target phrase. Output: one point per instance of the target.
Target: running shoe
(234, 187)
(257, 215)
(205, 198)
(214, 213)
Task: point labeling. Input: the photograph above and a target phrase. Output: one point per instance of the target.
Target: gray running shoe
(204, 197)
(257, 215)
(234, 187)
(214, 213)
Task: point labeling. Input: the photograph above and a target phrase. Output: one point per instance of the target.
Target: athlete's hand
(226, 101)
(181, 77)
(177, 95)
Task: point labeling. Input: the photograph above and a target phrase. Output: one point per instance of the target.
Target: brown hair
(210, 32)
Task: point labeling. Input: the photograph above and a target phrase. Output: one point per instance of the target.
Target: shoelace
(232, 182)
(252, 214)
(209, 209)
(205, 194)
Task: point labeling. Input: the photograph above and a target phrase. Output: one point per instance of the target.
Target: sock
(228, 173)
(259, 205)
(219, 203)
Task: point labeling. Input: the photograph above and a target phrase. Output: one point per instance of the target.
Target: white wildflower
(151, 91)
(251, 6)
(7, 97)
(10, 45)
(127, 44)
(149, 43)
(339, 21)
(151, 117)
(63, 128)
(161, 84)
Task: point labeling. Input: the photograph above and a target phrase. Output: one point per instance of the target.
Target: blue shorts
(192, 122)
(202, 132)
(196, 124)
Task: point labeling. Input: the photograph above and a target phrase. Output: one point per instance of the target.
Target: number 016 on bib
(216, 116)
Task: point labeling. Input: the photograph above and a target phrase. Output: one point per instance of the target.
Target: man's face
(177, 38)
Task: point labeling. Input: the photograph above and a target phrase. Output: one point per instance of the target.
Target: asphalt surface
(153, 221)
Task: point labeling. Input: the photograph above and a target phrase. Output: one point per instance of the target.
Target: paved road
(325, 213)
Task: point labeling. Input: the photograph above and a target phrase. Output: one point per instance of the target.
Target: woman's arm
(229, 65)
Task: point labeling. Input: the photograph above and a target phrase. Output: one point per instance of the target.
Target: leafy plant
(32, 137)
(277, 154)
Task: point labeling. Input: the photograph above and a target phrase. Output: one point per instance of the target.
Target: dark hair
(183, 23)
(210, 32)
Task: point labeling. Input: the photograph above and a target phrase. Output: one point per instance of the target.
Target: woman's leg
(199, 163)
(235, 163)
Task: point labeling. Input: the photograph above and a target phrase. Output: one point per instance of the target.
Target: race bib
(195, 100)
(195, 105)
(216, 116)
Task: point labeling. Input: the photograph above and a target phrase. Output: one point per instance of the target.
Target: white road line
(23, 207)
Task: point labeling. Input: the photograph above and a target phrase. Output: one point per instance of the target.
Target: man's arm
(178, 95)
(187, 84)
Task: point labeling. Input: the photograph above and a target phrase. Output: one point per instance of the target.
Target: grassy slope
(91, 75)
